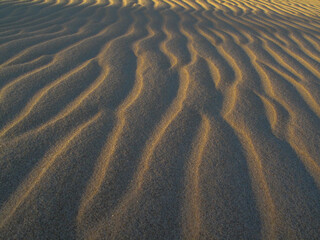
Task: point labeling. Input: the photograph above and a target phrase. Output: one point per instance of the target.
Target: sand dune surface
(159, 119)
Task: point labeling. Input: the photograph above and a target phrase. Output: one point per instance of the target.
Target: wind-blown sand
(174, 119)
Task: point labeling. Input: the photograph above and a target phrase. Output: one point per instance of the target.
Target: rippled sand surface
(149, 119)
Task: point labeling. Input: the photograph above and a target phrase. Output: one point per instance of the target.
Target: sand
(149, 119)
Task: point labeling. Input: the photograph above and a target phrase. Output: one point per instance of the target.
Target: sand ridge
(149, 119)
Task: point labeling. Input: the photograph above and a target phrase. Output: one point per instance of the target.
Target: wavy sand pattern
(149, 119)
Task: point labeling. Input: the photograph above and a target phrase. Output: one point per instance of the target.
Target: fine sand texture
(159, 119)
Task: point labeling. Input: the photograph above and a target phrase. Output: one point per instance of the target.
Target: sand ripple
(148, 119)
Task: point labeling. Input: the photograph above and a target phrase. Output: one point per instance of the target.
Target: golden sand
(149, 119)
